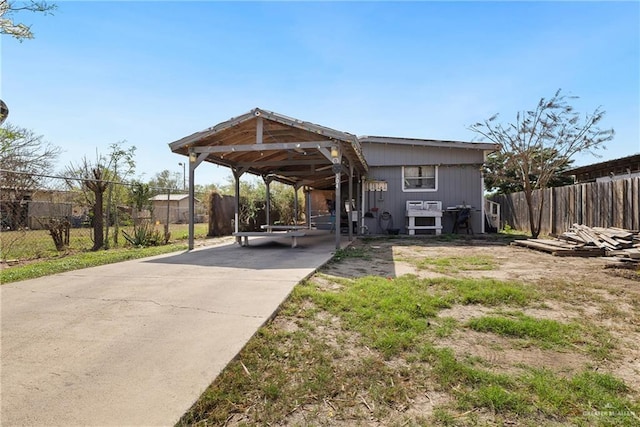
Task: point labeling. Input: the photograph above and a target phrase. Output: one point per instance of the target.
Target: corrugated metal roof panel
(428, 142)
(170, 197)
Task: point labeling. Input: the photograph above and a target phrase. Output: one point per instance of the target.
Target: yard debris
(584, 241)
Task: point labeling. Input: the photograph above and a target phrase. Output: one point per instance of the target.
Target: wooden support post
(194, 161)
(349, 202)
(267, 183)
(295, 203)
(338, 209)
(237, 174)
(307, 198)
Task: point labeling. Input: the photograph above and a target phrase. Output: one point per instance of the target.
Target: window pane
(419, 178)
(411, 171)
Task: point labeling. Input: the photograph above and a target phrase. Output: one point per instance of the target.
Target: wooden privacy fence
(613, 203)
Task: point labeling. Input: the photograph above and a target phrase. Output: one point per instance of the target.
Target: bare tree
(552, 128)
(93, 178)
(24, 158)
(18, 30)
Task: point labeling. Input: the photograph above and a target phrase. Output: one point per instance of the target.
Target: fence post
(552, 201)
(166, 225)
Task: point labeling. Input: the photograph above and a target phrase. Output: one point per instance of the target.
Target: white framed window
(420, 178)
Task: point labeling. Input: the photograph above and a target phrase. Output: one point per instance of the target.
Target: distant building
(175, 207)
(625, 167)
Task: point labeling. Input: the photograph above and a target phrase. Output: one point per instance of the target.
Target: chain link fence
(59, 215)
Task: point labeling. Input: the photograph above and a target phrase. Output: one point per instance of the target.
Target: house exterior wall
(176, 209)
(405, 155)
(459, 181)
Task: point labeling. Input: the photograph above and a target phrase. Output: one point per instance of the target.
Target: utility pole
(184, 175)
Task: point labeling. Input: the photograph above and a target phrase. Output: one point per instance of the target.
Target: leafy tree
(95, 179)
(139, 195)
(121, 165)
(24, 158)
(541, 142)
(8, 9)
(165, 180)
(253, 196)
(502, 178)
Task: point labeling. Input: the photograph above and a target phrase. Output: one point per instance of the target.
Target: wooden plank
(606, 239)
(558, 251)
(621, 232)
(557, 243)
(581, 253)
(534, 245)
(629, 253)
(570, 236)
(587, 238)
(609, 232)
(618, 203)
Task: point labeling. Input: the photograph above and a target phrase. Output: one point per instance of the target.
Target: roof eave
(429, 142)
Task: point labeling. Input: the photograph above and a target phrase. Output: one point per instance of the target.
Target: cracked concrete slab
(136, 343)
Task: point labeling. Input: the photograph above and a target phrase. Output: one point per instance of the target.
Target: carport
(278, 148)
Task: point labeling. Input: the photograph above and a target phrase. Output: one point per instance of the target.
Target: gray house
(379, 184)
(423, 170)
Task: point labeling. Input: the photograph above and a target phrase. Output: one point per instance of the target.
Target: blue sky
(153, 72)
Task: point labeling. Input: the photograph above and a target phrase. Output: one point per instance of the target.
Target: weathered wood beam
(282, 163)
(262, 147)
(259, 127)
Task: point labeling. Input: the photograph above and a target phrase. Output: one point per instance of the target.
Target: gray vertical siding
(403, 155)
(459, 180)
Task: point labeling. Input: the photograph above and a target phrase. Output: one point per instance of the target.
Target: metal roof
(273, 145)
(632, 162)
(170, 197)
(429, 142)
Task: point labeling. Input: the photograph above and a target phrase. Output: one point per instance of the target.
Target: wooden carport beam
(259, 127)
(327, 154)
(276, 163)
(263, 147)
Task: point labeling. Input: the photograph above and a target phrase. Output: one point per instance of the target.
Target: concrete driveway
(136, 343)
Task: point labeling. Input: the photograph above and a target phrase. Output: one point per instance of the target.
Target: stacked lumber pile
(584, 241)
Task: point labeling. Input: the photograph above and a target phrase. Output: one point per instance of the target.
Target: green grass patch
(452, 373)
(389, 313)
(35, 244)
(392, 313)
(350, 252)
(487, 292)
(499, 399)
(81, 260)
(579, 399)
(453, 264)
(445, 326)
(391, 332)
(544, 332)
(279, 372)
(587, 398)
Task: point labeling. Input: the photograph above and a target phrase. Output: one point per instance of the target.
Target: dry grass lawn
(433, 332)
